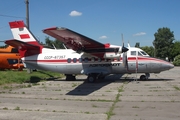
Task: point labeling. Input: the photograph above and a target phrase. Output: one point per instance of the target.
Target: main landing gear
(93, 77)
(145, 77)
(70, 77)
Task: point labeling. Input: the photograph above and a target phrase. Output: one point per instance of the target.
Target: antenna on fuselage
(129, 45)
(64, 46)
(54, 46)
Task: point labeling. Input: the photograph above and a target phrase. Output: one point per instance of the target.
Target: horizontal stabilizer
(24, 48)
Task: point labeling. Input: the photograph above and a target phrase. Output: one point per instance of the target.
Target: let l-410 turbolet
(84, 56)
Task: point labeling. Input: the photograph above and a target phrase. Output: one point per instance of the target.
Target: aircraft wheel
(91, 78)
(143, 77)
(70, 77)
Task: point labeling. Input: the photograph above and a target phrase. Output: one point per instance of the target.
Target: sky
(102, 20)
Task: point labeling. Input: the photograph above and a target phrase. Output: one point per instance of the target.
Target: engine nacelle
(112, 55)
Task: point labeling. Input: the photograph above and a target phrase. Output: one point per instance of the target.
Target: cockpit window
(144, 53)
(139, 53)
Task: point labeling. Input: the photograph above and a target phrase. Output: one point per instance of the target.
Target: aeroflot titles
(104, 65)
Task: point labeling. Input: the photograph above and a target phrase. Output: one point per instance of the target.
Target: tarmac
(111, 99)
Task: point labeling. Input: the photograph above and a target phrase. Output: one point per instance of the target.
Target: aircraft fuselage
(74, 63)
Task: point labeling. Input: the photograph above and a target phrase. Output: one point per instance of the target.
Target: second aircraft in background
(10, 58)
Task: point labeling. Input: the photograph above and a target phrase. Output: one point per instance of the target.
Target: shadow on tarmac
(87, 88)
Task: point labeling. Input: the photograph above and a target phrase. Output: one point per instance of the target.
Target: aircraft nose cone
(171, 66)
(124, 49)
(167, 66)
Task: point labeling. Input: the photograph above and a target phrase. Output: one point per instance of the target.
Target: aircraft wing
(78, 42)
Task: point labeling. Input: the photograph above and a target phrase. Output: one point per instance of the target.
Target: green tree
(149, 50)
(54, 43)
(58, 44)
(163, 43)
(176, 49)
(49, 42)
(176, 61)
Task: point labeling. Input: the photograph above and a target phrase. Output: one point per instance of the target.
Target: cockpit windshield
(140, 53)
(144, 53)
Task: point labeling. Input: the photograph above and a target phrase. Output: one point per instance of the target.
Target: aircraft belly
(132, 66)
(103, 68)
(73, 69)
(62, 68)
(119, 69)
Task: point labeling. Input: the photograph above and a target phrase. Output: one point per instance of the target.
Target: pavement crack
(111, 109)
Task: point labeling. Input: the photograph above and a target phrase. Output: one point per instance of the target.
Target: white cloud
(139, 34)
(103, 37)
(75, 13)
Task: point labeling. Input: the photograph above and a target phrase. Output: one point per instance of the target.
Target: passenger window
(99, 59)
(69, 60)
(133, 52)
(118, 59)
(92, 59)
(86, 60)
(80, 60)
(74, 60)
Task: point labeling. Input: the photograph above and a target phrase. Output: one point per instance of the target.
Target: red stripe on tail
(16, 24)
(24, 36)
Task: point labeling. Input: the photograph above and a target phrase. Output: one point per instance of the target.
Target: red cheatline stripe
(24, 36)
(147, 59)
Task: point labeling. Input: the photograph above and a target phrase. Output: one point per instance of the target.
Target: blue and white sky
(101, 20)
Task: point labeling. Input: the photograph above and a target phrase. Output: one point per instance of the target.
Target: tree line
(164, 46)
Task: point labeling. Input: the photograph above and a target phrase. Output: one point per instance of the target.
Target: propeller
(124, 51)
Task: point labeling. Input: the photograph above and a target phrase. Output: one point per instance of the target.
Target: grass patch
(17, 108)
(94, 105)
(110, 112)
(177, 88)
(5, 108)
(11, 76)
(135, 107)
(74, 84)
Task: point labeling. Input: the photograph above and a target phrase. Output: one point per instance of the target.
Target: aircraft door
(133, 63)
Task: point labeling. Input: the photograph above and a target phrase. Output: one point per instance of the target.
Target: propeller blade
(124, 49)
(125, 61)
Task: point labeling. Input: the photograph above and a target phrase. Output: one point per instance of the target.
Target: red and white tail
(23, 40)
(21, 33)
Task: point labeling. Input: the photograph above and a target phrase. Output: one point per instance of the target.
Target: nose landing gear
(145, 77)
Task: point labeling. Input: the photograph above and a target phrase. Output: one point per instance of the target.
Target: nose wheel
(145, 77)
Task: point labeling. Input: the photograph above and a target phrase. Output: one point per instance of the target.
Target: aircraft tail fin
(22, 33)
(24, 40)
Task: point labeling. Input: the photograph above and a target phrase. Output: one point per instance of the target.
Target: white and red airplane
(85, 56)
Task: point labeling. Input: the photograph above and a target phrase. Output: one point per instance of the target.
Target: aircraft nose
(167, 66)
(171, 66)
